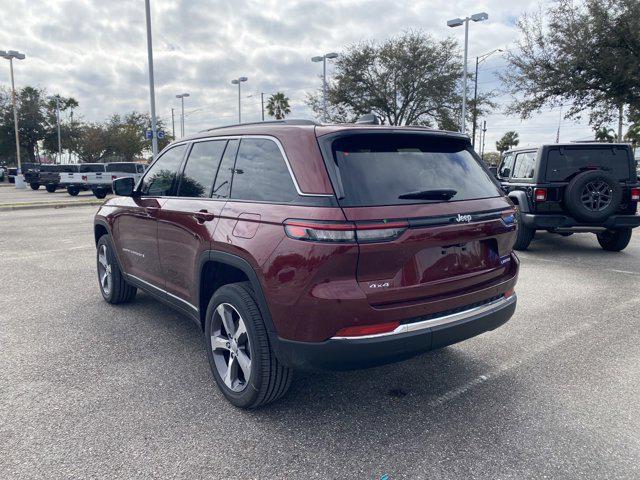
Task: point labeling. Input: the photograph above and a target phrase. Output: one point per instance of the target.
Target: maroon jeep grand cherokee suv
(298, 245)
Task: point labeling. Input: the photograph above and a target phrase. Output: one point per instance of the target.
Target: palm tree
(278, 106)
(508, 140)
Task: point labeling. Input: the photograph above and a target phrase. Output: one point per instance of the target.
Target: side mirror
(124, 186)
(494, 171)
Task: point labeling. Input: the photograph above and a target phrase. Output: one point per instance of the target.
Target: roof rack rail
(267, 122)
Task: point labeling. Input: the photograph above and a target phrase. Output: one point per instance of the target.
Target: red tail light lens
(540, 194)
(635, 194)
(367, 330)
(113, 177)
(509, 292)
(344, 232)
(84, 178)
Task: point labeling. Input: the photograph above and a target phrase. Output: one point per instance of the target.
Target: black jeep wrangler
(575, 187)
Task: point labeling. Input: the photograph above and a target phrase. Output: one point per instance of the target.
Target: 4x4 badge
(463, 218)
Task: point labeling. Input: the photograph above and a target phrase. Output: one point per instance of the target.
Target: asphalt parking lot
(89, 390)
(9, 195)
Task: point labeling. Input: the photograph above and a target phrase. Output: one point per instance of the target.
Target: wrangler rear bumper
(563, 221)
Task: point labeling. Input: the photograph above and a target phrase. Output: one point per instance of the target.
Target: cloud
(96, 51)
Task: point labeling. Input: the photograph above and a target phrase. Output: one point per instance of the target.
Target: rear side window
(506, 166)
(200, 170)
(525, 165)
(161, 176)
(92, 167)
(222, 185)
(261, 174)
(121, 167)
(379, 169)
(564, 162)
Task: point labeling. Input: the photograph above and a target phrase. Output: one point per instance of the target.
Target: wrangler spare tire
(593, 196)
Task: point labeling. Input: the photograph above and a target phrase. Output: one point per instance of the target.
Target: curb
(33, 206)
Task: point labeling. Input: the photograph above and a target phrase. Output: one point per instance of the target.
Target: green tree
(69, 131)
(604, 134)
(508, 141)
(492, 159)
(278, 106)
(93, 143)
(408, 80)
(587, 55)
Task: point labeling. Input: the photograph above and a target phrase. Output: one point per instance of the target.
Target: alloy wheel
(231, 348)
(596, 196)
(104, 270)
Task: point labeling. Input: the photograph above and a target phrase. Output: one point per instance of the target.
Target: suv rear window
(91, 167)
(563, 162)
(376, 169)
(121, 167)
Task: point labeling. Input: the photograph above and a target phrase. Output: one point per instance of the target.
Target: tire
(524, 234)
(593, 196)
(51, 188)
(113, 286)
(614, 240)
(100, 193)
(267, 379)
(34, 186)
(73, 190)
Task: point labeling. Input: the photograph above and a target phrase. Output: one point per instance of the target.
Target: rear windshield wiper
(435, 194)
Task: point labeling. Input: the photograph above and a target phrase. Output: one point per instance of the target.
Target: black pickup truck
(575, 187)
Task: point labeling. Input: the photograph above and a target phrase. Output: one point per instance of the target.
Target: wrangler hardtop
(573, 187)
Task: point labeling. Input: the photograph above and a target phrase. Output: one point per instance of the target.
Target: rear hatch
(449, 228)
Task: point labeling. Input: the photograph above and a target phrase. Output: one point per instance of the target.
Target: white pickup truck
(100, 182)
(76, 181)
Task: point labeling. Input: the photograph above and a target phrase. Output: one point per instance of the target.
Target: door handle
(203, 216)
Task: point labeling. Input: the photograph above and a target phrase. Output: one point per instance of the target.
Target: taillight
(113, 177)
(509, 293)
(321, 232)
(540, 194)
(84, 178)
(635, 194)
(344, 232)
(367, 330)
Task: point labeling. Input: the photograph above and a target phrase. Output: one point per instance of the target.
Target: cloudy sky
(95, 51)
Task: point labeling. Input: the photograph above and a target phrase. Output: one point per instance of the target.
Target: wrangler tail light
(635, 194)
(84, 178)
(540, 194)
(113, 177)
(344, 232)
(366, 330)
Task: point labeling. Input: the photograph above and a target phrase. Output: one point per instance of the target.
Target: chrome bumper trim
(444, 320)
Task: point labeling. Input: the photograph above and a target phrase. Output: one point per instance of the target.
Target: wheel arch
(221, 268)
(519, 198)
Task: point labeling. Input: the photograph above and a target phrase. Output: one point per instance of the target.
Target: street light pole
(173, 124)
(10, 55)
(457, 22)
(238, 81)
(58, 125)
(152, 93)
(262, 102)
(323, 59)
(181, 97)
(479, 60)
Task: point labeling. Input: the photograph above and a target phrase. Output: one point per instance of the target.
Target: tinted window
(376, 169)
(161, 175)
(261, 173)
(222, 184)
(506, 166)
(563, 162)
(69, 168)
(91, 167)
(525, 165)
(121, 167)
(200, 170)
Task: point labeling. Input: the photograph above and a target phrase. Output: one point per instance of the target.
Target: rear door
(187, 219)
(442, 209)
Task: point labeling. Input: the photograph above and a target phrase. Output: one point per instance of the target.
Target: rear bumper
(408, 340)
(562, 221)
